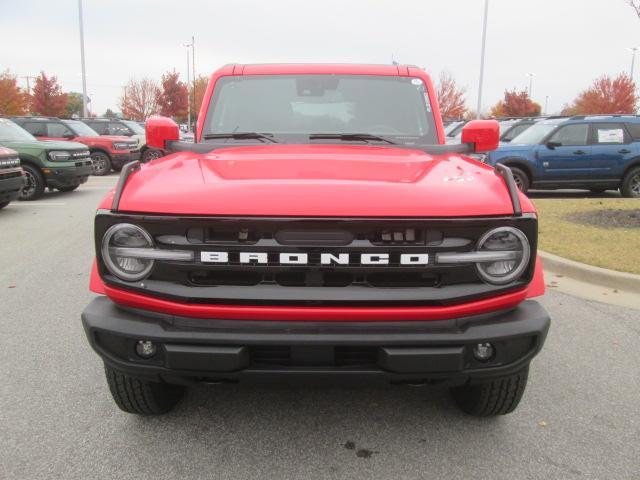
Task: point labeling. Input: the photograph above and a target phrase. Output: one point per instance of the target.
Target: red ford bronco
(318, 227)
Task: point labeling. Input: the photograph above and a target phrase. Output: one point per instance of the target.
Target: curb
(587, 273)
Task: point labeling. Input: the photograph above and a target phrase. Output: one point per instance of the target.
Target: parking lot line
(38, 204)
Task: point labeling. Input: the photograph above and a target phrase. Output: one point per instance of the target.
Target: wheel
(101, 163)
(3, 204)
(496, 397)
(34, 188)
(597, 190)
(142, 397)
(521, 178)
(631, 184)
(68, 189)
(151, 154)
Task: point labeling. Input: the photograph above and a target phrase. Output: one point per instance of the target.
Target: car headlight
(117, 242)
(510, 244)
(9, 162)
(122, 146)
(59, 155)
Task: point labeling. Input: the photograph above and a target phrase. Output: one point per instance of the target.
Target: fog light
(146, 348)
(483, 351)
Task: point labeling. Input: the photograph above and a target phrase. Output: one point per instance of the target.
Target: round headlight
(59, 155)
(126, 235)
(504, 239)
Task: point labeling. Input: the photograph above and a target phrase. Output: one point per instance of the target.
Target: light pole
(484, 43)
(531, 75)
(188, 45)
(84, 76)
(633, 59)
(191, 45)
(546, 104)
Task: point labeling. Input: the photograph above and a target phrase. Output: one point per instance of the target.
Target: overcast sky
(566, 43)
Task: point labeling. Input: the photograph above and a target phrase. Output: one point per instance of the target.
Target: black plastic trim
(127, 170)
(507, 175)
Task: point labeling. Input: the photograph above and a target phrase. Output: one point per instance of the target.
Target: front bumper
(11, 182)
(68, 176)
(210, 350)
(120, 159)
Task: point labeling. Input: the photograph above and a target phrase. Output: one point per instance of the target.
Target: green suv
(47, 164)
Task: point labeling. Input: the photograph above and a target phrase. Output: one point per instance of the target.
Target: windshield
(534, 134)
(134, 126)
(80, 129)
(10, 132)
(303, 105)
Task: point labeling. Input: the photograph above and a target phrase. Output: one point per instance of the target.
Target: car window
(634, 130)
(58, 130)
(515, 131)
(116, 128)
(609, 134)
(100, 127)
(572, 135)
(37, 129)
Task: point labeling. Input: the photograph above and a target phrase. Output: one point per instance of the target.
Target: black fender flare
(519, 163)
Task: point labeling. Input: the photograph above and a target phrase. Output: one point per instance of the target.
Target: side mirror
(483, 134)
(553, 145)
(160, 130)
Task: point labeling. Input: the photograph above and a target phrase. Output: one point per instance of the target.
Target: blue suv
(597, 153)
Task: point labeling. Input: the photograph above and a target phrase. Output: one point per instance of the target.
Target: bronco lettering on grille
(325, 258)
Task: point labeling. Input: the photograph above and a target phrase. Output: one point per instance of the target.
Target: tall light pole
(484, 43)
(84, 75)
(530, 75)
(633, 60)
(546, 104)
(188, 45)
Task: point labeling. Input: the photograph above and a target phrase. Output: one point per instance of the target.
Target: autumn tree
(607, 95)
(73, 108)
(110, 114)
(450, 97)
(140, 99)
(172, 99)
(13, 100)
(196, 98)
(515, 104)
(48, 98)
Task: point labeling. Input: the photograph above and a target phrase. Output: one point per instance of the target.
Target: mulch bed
(612, 218)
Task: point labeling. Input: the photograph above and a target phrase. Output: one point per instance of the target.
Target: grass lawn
(597, 231)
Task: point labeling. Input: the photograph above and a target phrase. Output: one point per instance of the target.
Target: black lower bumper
(212, 350)
(120, 159)
(11, 183)
(68, 176)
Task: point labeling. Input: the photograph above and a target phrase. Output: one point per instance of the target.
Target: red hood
(317, 180)
(102, 140)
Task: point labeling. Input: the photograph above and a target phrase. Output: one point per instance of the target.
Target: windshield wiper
(354, 137)
(242, 136)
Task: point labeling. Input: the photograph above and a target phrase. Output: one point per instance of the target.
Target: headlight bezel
(520, 268)
(57, 155)
(112, 266)
(122, 146)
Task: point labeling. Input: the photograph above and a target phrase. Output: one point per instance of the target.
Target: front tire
(521, 179)
(3, 204)
(35, 184)
(142, 397)
(101, 163)
(495, 397)
(631, 184)
(150, 154)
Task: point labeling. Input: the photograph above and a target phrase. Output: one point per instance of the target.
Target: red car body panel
(103, 142)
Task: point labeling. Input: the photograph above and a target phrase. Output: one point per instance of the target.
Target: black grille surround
(314, 284)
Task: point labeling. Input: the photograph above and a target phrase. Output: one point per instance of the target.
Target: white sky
(566, 43)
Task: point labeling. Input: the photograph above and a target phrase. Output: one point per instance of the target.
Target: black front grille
(288, 356)
(314, 282)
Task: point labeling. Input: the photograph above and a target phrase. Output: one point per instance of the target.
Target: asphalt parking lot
(580, 417)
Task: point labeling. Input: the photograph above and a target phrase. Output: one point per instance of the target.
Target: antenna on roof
(393, 62)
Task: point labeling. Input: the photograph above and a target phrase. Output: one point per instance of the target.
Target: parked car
(290, 247)
(453, 131)
(597, 153)
(125, 128)
(46, 164)
(512, 127)
(12, 178)
(107, 152)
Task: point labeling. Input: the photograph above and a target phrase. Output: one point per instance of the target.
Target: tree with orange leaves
(450, 97)
(196, 99)
(607, 95)
(172, 99)
(48, 98)
(515, 104)
(13, 100)
(140, 99)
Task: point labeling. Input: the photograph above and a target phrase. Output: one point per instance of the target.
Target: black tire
(521, 178)
(631, 184)
(142, 397)
(68, 189)
(496, 397)
(35, 183)
(3, 204)
(151, 154)
(101, 163)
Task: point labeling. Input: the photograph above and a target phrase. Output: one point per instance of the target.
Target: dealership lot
(580, 416)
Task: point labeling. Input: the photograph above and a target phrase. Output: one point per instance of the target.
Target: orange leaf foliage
(515, 104)
(450, 97)
(607, 95)
(13, 101)
(140, 99)
(48, 98)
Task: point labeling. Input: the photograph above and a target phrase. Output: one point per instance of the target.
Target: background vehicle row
(11, 176)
